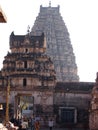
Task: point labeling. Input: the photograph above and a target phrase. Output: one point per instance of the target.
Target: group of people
(33, 123)
(25, 123)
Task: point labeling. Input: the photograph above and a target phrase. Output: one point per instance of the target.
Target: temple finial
(49, 3)
(28, 29)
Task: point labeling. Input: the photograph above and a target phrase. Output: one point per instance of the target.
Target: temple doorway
(68, 115)
(24, 105)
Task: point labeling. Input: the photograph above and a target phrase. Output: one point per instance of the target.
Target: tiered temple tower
(31, 74)
(59, 46)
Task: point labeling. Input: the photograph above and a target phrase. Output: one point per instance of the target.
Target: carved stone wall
(59, 48)
(93, 118)
(29, 70)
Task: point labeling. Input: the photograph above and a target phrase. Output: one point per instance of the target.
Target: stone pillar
(93, 117)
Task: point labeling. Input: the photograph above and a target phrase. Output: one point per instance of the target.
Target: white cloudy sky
(80, 17)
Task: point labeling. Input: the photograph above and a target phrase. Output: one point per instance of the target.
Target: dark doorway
(67, 115)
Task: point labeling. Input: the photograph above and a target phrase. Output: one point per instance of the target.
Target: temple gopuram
(59, 47)
(39, 75)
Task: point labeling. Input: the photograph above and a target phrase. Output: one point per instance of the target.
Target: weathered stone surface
(30, 71)
(93, 118)
(32, 74)
(58, 42)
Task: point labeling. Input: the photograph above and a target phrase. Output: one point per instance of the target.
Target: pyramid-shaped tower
(59, 48)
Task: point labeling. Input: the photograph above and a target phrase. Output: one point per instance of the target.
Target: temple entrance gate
(24, 105)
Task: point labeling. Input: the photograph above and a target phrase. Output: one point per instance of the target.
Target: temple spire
(67, 71)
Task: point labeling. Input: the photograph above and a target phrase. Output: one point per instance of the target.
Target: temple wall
(79, 100)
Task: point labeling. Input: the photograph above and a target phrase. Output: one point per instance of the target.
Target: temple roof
(22, 37)
(3, 18)
(74, 86)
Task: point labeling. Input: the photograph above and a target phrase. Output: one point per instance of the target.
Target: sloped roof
(84, 87)
(3, 18)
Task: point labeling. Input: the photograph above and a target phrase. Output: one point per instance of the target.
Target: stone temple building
(41, 75)
(59, 46)
(29, 71)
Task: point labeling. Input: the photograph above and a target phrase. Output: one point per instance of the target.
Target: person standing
(24, 124)
(32, 123)
(37, 125)
(50, 123)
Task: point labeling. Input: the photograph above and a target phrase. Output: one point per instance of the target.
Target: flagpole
(7, 101)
